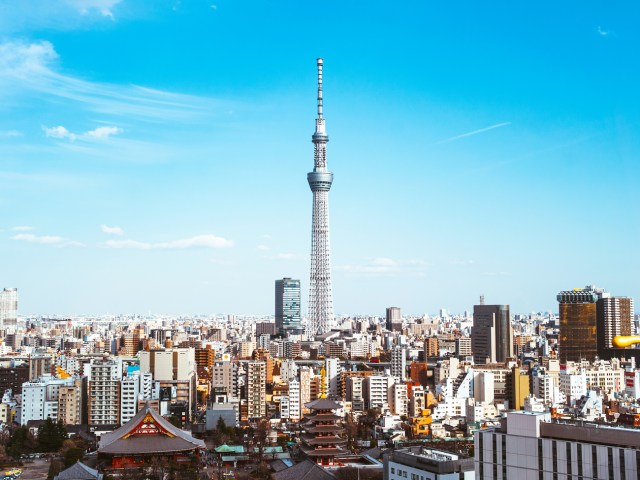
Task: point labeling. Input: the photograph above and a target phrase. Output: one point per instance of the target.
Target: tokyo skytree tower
(320, 296)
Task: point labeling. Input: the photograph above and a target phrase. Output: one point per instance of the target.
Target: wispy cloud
(262, 248)
(47, 240)
(604, 32)
(10, 134)
(59, 15)
(32, 67)
(22, 228)
(100, 133)
(497, 274)
(475, 132)
(457, 261)
(198, 241)
(386, 266)
(111, 230)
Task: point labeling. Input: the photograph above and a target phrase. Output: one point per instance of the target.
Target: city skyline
(152, 157)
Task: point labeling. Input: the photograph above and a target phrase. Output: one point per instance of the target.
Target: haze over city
(153, 155)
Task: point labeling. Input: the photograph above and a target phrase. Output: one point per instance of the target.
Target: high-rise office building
(288, 318)
(492, 334)
(399, 363)
(589, 319)
(321, 317)
(256, 390)
(578, 317)
(8, 307)
(614, 317)
(394, 319)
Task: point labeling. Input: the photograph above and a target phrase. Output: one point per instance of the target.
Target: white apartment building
(129, 392)
(417, 402)
(40, 399)
(573, 386)
(398, 399)
(376, 391)
(104, 392)
(530, 446)
(288, 370)
(294, 400)
(420, 463)
(354, 393)
(333, 369)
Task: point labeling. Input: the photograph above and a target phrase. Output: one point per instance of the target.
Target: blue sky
(153, 155)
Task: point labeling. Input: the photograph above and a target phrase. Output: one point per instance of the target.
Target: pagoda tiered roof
(325, 440)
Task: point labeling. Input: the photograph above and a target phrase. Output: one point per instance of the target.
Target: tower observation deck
(321, 316)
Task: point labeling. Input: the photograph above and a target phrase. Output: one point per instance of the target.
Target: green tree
(55, 467)
(51, 435)
(20, 443)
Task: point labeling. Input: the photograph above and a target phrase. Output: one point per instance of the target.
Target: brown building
(431, 347)
(419, 372)
(205, 359)
(265, 356)
(13, 378)
(589, 319)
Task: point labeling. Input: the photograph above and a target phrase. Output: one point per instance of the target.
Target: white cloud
(32, 68)
(103, 132)
(54, 240)
(102, 7)
(284, 256)
(99, 133)
(386, 266)
(263, 248)
(58, 15)
(111, 230)
(475, 132)
(384, 262)
(22, 228)
(199, 241)
(45, 239)
(59, 132)
(602, 32)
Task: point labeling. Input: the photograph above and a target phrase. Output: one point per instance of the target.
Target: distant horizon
(156, 153)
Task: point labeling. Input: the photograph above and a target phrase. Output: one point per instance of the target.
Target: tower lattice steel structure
(320, 295)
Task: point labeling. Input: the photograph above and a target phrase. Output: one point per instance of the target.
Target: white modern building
(530, 446)
(420, 463)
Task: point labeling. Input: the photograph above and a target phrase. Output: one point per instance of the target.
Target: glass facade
(288, 318)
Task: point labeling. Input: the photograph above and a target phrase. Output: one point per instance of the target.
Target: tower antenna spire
(321, 317)
(319, 88)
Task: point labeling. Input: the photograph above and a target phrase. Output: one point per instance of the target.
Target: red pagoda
(322, 442)
(146, 439)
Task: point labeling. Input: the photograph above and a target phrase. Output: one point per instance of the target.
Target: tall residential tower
(288, 306)
(320, 295)
(8, 307)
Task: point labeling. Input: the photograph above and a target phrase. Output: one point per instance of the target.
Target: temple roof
(146, 433)
(78, 471)
(306, 470)
(324, 452)
(325, 429)
(323, 404)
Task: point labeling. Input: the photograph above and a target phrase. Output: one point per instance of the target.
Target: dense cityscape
(487, 394)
